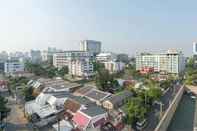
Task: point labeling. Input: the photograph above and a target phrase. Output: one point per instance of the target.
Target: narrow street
(16, 120)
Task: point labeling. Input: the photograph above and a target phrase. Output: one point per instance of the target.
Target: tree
(64, 70)
(3, 109)
(153, 94)
(28, 93)
(104, 80)
(135, 110)
(98, 66)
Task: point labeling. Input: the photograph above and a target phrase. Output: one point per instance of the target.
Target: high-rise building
(170, 62)
(195, 48)
(62, 59)
(47, 55)
(91, 46)
(35, 56)
(4, 56)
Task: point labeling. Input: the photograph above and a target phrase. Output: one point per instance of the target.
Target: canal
(184, 115)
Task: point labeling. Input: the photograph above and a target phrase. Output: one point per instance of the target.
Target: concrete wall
(195, 118)
(167, 117)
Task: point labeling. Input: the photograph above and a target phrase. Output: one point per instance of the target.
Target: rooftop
(97, 95)
(84, 90)
(93, 110)
(117, 100)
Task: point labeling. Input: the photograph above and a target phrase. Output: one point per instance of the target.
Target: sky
(123, 26)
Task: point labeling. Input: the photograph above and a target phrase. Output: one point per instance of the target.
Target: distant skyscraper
(36, 56)
(195, 48)
(91, 46)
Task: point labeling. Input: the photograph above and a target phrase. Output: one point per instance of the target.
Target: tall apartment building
(63, 58)
(170, 62)
(91, 46)
(81, 68)
(13, 66)
(195, 48)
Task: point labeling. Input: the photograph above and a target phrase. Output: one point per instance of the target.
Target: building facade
(81, 68)
(170, 62)
(35, 56)
(105, 57)
(113, 66)
(13, 66)
(91, 46)
(62, 59)
(195, 48)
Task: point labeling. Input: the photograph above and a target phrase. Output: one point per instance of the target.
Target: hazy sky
(122, 25)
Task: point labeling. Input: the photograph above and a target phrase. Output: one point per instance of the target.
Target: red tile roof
(81, 120)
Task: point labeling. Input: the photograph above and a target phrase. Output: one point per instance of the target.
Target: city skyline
(122, 26)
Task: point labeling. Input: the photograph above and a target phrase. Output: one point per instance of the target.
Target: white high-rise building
(170, 62)
(91, 46)
(195, 48)
(62, 59)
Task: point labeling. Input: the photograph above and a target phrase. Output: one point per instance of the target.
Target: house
(63, 126)
(97, 96)
(52, 85)
(116, 101)
(46, 106)
(71, 106)
(91, 117)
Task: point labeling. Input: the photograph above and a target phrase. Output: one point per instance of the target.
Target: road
(16, 120)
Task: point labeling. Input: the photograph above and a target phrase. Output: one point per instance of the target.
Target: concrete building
(13, 66)
(47, 55)
(113, 66)
(62, 59)
(195, 48)
(170, 62)
(81, 68)
(104, 57)
(35, 56)
(4, 56)
(91, 46)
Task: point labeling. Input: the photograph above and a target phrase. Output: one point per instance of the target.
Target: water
(184, 115)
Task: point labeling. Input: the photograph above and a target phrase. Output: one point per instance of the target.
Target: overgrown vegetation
(45, 70)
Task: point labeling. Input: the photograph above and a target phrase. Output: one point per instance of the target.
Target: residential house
(116, 101)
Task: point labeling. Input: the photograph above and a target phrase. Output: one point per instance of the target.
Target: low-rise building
(116, 101)
(91, 117)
